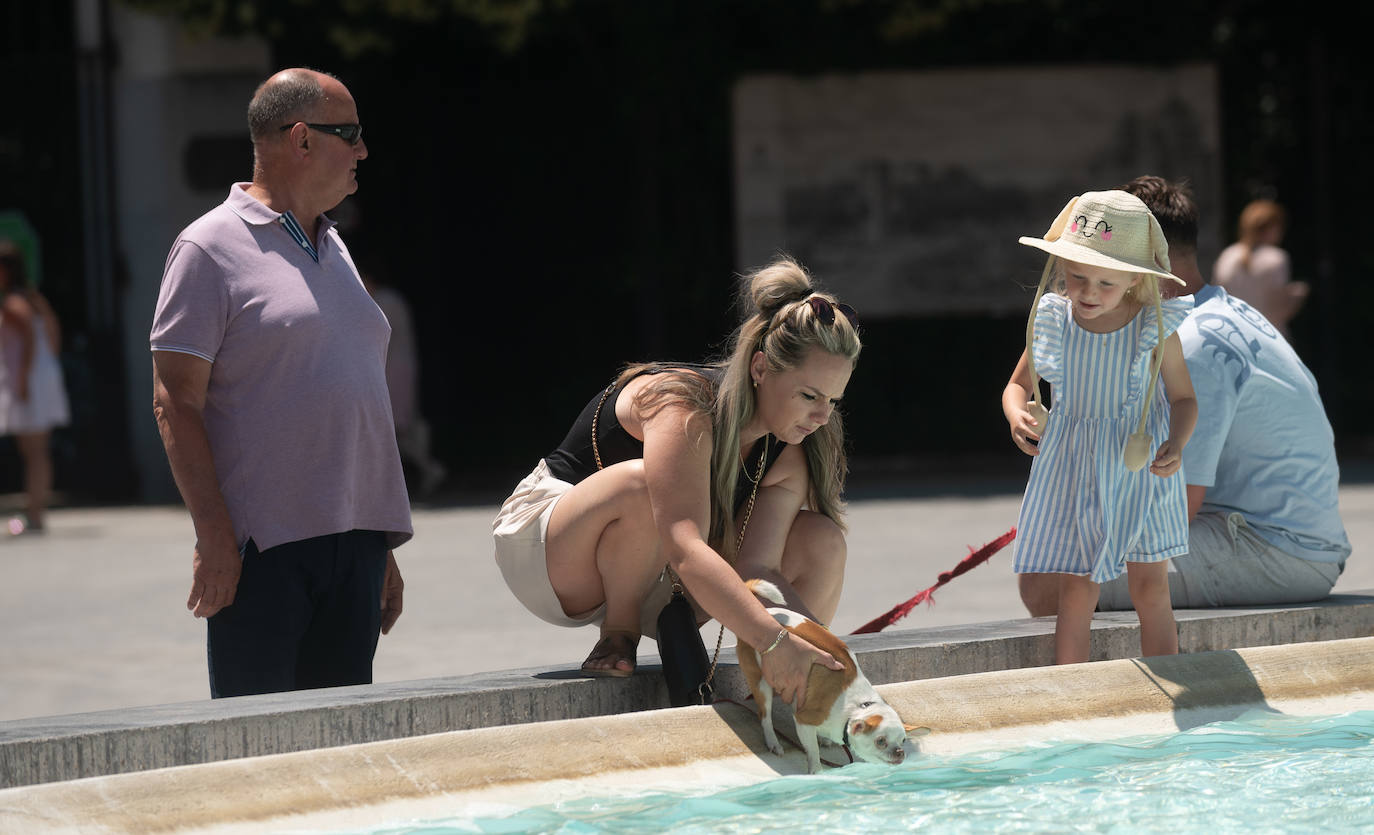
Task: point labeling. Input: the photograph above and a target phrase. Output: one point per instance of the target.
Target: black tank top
(574, 459)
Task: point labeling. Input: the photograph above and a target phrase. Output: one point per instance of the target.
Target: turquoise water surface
(1264, 772)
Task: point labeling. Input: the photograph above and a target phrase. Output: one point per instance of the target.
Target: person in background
(33, 398)
(1256, 269)
(402, 380)
(1263, 480)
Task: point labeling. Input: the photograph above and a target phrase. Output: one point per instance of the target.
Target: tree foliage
(354, 27)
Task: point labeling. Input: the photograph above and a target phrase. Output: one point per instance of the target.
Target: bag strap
(596, 453)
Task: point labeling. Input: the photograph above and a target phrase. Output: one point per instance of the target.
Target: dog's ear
(865, 725)
(914, 731)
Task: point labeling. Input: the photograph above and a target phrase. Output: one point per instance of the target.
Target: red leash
(973, 560)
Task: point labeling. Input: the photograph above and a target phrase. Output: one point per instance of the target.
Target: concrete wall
(112, 742)
(906, 191)
(382, 784)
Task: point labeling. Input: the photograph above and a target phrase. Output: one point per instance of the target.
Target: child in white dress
(33, 399)
(1092, 508)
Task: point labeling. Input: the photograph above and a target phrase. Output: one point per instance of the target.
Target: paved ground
(93, 613)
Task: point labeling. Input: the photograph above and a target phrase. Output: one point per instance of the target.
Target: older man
(270, 394)
(1261, 465)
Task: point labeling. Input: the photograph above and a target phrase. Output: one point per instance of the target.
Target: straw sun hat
(1111, 229)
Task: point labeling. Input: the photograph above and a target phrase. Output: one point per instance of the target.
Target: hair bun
(777, 285)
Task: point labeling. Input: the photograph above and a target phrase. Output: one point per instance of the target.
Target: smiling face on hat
(1098, 296)
(1091, 229)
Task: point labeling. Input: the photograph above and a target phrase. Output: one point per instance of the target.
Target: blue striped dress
(1084, 513)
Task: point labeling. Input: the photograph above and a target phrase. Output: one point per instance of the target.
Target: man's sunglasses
(348, 133)
(825, 311)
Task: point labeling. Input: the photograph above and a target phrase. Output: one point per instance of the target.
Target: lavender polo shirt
(297, 411)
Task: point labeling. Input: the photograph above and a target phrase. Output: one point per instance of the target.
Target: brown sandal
(618, 645)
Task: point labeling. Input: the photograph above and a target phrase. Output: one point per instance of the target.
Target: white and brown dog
(841, 706)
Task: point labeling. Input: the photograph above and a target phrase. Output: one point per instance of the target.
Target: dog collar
(845, 735)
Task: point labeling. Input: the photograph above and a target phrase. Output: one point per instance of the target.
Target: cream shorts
(1228, 564)
(520, 530)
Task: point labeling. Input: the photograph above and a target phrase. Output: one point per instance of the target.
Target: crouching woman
(720, 472)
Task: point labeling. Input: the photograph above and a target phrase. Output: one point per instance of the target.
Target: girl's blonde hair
(1146, 290)
(781, 322)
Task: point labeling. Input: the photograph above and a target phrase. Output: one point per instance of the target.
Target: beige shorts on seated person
(520, 530)
(1229, 564)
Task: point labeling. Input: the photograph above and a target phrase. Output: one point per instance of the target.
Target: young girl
(1091, 508)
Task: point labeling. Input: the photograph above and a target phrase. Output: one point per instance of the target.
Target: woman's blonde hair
(780, 321)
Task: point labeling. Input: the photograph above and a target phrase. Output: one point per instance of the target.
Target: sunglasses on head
(825, 311)
(349, 133)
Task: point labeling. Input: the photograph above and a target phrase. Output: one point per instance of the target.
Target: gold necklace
(763, 459)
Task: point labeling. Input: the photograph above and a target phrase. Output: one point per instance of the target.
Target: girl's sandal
(616, 645)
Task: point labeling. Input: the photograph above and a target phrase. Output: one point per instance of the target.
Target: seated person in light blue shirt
(1261, 465)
